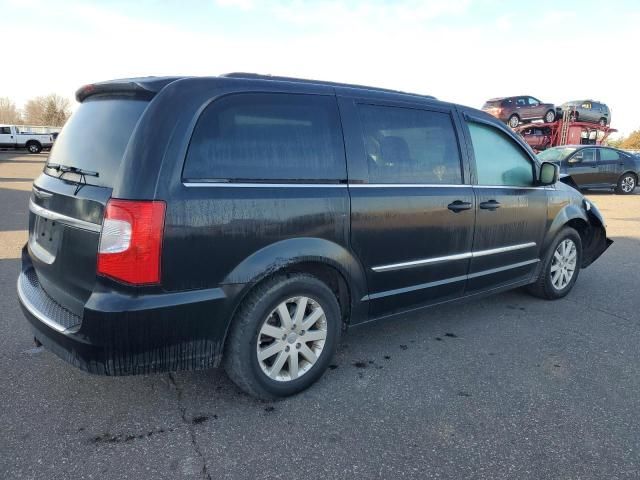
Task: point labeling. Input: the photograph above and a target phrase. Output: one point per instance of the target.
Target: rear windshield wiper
(78, 171)
(67, 169)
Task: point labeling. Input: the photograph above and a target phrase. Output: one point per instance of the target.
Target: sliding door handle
(459, 206)
(490, 205)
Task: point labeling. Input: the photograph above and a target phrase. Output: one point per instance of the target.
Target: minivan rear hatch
(493, 104)
(68, 200)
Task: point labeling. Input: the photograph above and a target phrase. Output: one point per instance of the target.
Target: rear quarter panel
(213, 234)
(233, 235)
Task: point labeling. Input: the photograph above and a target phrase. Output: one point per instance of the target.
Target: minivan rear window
(492, 104)
(96, 136)
(267, 137)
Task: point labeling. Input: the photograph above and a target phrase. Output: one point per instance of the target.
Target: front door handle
(459, 206)
(490, 205)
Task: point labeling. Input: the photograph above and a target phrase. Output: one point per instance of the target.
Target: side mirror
(549, 173)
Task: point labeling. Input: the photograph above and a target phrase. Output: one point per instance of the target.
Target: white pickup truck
(11, 137)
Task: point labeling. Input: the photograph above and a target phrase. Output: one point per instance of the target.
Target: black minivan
(246, 221)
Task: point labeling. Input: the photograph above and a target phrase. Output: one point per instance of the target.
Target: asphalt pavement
(509, 387)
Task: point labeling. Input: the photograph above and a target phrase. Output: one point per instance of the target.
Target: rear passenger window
(607, 155)
(499, 160)
(255, 136)
(410, 146)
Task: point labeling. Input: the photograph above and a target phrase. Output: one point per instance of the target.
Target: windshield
(556, 154)
(96, 136)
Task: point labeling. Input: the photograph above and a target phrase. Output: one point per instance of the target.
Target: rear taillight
(131, 241)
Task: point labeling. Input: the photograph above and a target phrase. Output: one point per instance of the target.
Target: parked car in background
(596, 166)
(185, 223)
(538, 137)
(11, 137)
(516, 110)
(586, 111)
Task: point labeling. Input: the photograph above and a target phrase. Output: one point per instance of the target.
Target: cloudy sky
(463, 51)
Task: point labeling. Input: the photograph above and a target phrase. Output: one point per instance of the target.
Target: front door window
(499, 161)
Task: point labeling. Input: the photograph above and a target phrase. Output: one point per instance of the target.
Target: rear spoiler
(145, 88)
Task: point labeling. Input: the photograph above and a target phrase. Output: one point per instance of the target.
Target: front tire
(560, 266)
(283, 337)
(602, 122)
(626, 184)
(550, 116)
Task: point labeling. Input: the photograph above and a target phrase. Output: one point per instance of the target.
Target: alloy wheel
(563, 264)
(628, 184)
(291, 339)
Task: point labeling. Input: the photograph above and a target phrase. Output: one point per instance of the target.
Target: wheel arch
(328, 261)
(589, 226)
(635, 174)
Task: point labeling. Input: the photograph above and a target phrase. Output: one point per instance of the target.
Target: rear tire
(34, 147)
(560, 266)
(602, 122)
(627, 183)
(270, 351)
(514, 121)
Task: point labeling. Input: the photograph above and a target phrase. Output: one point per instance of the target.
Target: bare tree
(9, 113)
(51, 109)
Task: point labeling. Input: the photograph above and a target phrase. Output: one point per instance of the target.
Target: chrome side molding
(449, 258)
(262, 185)
(437, 283)
(419, 263)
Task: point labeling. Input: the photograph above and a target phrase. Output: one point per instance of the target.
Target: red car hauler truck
(563, 131)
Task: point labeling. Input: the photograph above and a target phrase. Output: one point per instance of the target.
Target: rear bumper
(126, 335)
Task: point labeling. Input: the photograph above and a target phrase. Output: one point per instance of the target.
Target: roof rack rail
(257, 76)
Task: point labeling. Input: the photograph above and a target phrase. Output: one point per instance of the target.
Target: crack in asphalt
(190, 426)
